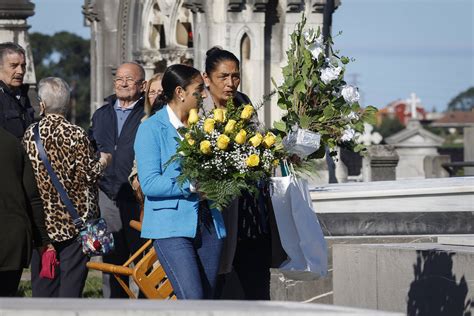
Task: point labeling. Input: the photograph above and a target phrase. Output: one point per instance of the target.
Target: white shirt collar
(174, 120)
(131, 106)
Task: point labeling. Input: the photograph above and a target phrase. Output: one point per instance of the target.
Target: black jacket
(21, 208)
(103, 133)
(16, 113)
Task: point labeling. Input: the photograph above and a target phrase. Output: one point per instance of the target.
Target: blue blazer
(170, 210)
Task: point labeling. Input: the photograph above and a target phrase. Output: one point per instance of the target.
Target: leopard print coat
(78, 169)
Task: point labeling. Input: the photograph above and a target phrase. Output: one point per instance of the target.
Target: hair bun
(213, 50)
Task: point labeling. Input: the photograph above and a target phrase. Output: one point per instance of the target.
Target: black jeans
(71, 274)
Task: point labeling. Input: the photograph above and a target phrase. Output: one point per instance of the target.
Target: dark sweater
(16, 113)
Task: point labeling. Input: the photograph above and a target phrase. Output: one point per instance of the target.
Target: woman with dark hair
(187, 235)
(248, 246)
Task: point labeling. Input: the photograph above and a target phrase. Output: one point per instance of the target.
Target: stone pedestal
(380, 163)
(417, 279)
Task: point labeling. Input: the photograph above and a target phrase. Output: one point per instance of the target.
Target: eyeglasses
(128, 80)
(153, 92)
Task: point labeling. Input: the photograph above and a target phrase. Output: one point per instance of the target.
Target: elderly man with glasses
(113, 129)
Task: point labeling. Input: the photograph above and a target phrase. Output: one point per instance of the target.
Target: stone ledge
(125, 307)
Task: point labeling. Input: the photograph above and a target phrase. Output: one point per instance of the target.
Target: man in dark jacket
(113, 129)
(16, 113)
(21, 213)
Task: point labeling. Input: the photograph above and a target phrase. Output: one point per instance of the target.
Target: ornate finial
(90, 13)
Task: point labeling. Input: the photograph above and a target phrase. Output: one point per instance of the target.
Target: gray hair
(55, 94)
(10, 48)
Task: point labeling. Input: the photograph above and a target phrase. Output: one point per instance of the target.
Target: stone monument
(158, 33)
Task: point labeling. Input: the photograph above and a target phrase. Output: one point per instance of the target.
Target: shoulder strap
(78, 222)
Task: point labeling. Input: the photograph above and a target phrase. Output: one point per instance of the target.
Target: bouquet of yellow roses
(225, 153)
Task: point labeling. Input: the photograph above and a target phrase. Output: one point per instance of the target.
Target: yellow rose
(223, 142)
(193, 117)
(241, 137)
(247, 112)
(275, 163)
(253, 160)
(256, 140)
(205, 147)
(209, 125)
(269, 140)
(219, 115)
(189, 138)
(229, 127)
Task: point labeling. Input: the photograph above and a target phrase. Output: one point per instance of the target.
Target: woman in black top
(248, 246)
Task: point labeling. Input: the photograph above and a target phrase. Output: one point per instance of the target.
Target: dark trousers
(10, 282)
(71, 274)
(192, 264)
(126, 239)
(252, 264)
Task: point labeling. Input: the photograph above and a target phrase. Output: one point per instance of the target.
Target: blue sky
(400, 46)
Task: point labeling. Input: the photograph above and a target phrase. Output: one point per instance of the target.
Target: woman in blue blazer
(188, 236)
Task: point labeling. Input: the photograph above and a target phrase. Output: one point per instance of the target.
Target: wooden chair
(147, 273)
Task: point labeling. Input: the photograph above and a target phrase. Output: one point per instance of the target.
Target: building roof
(455, 119)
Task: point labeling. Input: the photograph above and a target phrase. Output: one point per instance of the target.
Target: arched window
(157, 37)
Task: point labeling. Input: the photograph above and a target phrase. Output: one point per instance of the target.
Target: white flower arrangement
(315, 96)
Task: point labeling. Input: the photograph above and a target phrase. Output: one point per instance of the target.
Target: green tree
(389, 126)
(65, 55)
(464, 101)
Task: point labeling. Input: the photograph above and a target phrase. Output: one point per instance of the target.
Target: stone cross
(413, 102)
(369, 138)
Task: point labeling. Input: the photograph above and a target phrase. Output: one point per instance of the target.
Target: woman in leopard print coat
(78, 169)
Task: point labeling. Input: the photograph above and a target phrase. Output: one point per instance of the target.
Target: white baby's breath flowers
(350, 94)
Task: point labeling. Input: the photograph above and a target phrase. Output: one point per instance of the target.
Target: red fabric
(48, 264)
